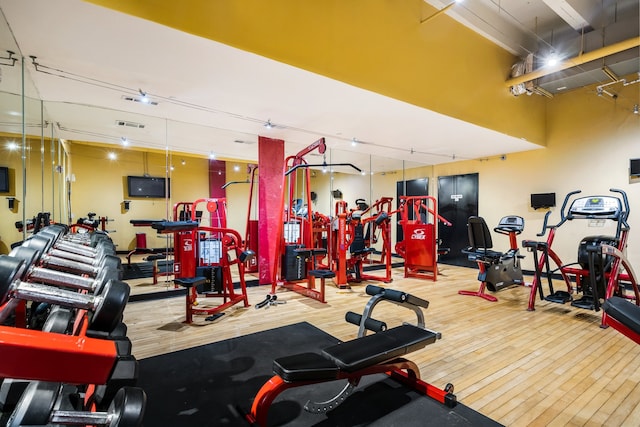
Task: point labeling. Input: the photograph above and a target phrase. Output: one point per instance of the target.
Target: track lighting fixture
(268, 125)
(212, 155)
(124, 141)
(10, 60)
(354, 142)
(635, 109)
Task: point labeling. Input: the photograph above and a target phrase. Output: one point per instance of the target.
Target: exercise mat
(214, 385)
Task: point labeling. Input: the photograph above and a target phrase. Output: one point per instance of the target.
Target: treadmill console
(606, 207)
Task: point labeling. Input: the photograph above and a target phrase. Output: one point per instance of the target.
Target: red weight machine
(251, 229)
(355, 234)
(204, 255)
(419, 248)
(295, 254)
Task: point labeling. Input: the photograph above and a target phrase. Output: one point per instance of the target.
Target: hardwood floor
(554, 366)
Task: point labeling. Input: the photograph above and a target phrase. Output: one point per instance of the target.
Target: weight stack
(293, 266)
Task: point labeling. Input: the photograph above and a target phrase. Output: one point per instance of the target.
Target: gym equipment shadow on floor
(214, 385)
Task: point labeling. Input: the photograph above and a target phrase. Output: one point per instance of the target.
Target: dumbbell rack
(74, 354)
(63, 355)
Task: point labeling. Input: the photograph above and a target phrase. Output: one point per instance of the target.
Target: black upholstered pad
(321, 273)
(305, 367)
(188, 282)
(378, 348)
(624, 312)
(174, 226)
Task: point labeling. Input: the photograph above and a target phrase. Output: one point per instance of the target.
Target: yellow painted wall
(378, 45)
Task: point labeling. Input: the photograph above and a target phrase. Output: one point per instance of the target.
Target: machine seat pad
(377, 348)
(322, 274)
(155, 257)
(624, 312)
(189, 282)
(305, 367)
(174, 226)
(482, 255)
(362, 251)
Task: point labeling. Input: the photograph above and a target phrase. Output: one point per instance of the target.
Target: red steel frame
(613, 284)
(344, 237)
(231, 243)
(306, 229)
(405, 371)
(64, 354)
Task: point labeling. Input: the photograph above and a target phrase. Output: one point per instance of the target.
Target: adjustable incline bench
(381, 352)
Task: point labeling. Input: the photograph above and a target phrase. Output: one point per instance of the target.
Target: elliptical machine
(589, 276)
(498, 270)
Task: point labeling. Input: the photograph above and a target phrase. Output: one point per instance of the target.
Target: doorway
(457, 201)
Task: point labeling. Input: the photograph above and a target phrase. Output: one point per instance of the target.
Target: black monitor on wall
(543, 200)
(147, 186)
(4, 179)
(634, 168)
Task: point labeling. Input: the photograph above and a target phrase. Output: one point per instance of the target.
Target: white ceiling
(212, 97)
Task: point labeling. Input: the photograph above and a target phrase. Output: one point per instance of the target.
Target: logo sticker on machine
(456, 197)
(418, 234)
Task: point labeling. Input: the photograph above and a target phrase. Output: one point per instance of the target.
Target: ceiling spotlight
(354, 142)
(124, 141)
(236, 168)
(635, 109)
(183, 162)
(112, 156)
(143, 97)
(212, 155)
(12, 145)
(268, 125)
(551, 60)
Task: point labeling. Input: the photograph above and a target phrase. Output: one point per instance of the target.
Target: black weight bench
(381, 352)
(623, 316)
(354, 355)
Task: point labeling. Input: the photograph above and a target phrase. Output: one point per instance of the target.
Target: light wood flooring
(554, 366)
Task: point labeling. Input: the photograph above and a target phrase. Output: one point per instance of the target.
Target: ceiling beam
(578, 60)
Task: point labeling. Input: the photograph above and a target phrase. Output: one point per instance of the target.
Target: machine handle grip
(397, 296)
(369, 323)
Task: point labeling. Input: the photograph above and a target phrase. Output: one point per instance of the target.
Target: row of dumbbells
(73, 280)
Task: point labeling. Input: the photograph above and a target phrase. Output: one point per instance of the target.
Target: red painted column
(270, 179)
(217, 178)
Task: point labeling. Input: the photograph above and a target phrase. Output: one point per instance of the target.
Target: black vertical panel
(414, 187)
(457, 201)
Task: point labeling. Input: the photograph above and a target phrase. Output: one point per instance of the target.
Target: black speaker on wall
(543, 200)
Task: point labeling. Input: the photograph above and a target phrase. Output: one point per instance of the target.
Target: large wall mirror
(75, 171)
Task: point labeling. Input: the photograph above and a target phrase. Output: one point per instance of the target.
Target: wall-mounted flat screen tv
(4, 179)
(148, 186)
(543, 200)
(634, 168)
